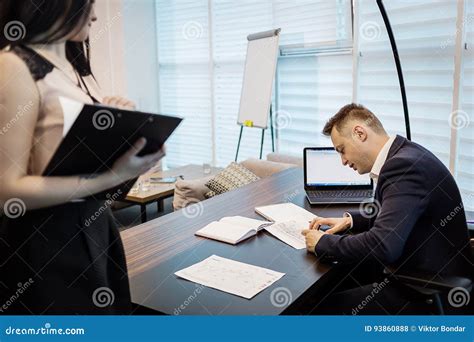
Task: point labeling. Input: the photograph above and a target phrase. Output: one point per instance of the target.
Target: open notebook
(232, 229)
(287, 222)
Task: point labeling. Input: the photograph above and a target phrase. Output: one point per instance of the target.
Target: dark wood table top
(157, 249)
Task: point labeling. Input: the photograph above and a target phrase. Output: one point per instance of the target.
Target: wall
(124, 51)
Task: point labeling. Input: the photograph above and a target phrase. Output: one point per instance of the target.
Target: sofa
(188, 192)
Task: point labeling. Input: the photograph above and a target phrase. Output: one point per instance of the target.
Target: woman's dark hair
(46, 22)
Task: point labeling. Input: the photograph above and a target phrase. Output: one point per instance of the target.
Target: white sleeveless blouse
(62, 81)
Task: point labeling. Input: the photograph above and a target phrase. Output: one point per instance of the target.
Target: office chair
(435, 290)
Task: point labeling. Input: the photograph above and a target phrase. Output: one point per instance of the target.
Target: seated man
(416, 224)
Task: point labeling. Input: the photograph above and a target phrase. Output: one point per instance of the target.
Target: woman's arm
(18, 90)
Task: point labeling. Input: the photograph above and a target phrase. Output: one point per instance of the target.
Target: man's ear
(359, 132)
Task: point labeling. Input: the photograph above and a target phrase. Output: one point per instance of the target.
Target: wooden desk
(157, 249)
(159, 191)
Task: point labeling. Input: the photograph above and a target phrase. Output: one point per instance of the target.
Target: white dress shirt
(380, 160)
(378, 164)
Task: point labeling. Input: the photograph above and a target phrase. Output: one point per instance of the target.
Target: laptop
(327, 181)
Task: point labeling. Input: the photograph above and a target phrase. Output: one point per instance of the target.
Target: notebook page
(245, 222)
(285, 212)
(224, 231)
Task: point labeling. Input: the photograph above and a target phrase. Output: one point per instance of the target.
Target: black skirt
(67, 259)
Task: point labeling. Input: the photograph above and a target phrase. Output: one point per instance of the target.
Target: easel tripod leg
(238, 144)
(271, 129)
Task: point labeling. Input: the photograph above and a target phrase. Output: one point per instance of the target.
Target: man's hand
(336, 224)
(312, 238)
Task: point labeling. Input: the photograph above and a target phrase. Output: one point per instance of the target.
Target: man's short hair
(356, 112)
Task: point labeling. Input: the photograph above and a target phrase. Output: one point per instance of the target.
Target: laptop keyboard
(341, 194)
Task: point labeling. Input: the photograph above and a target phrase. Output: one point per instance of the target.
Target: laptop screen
(324, 168)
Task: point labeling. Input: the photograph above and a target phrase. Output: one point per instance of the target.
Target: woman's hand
(336, 224)
(158, 167)
(129, 165)
(119, 102)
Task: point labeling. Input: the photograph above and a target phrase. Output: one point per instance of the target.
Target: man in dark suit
(416, 224)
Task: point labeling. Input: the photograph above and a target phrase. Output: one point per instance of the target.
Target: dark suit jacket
(419, 223)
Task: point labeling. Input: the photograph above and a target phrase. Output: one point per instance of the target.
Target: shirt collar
(381, 158)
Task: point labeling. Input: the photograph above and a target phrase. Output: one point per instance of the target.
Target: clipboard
(100, 135)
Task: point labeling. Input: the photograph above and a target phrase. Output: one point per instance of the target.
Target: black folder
(100, 135)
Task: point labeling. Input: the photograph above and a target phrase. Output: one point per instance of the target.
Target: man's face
(351, 144)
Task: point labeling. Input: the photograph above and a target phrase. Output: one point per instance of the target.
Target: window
(426, 42)
(313, 84)
(201, 53)
(465, 126)
(202, 47)
(184, 78)
(228, 52)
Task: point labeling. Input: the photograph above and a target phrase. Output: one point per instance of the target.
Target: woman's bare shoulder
(14, 73)
(13, 65)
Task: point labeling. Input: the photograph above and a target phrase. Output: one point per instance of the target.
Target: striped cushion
(232, 177)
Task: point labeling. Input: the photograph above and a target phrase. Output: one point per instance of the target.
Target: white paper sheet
(285, 212)
(289, 232)
(230, 276)
(71, 110)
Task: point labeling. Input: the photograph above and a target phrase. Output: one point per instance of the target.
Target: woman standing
(54, 259)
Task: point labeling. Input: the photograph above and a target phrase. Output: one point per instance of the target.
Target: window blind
(183, 45)
(465, 162)
(426, 44)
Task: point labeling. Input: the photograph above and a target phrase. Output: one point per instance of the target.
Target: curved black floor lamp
(396, 57)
